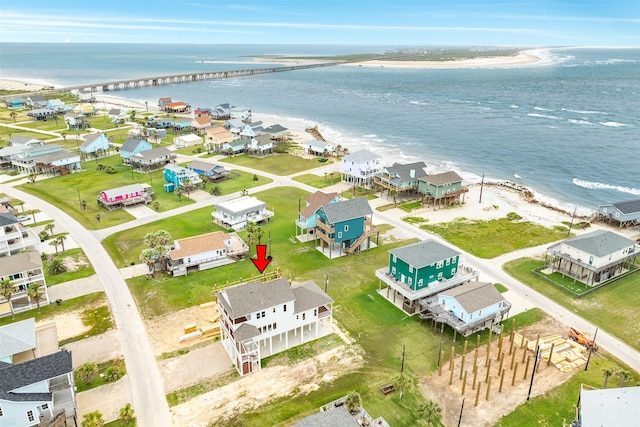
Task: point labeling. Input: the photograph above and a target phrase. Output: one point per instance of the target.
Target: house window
(410, 281)
(274, 309)
(31, 416)
(440, 276)
(315, 311)
(258, 315)
(447, 262)
(45, 407)
(393, 270)
(420, 282)
(453, 271)
(410, 269)
(274, 326)
(285, 307)
(339, 234)
(263, 314)
(304, 315)
(393, 257)
(439, 265)
(1, 413)
(346, 228)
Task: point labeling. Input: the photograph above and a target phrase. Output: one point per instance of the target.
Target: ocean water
(567, 127)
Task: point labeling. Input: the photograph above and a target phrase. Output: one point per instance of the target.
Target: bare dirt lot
(488, 411)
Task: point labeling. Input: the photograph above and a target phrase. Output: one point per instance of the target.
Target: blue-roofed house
(15, 102)
(625, 214)
(38, 392)
(345, 227)
(95, 143)
(213, 173)
(133, 146)
(593, 258)
(306, 222)
(360, 167)
(251, 130)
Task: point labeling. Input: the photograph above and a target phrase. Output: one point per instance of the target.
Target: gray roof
(274, 129)
(58, 155)
(241, 205)
(13, 377)
(402, 173)
(17, 337)
(422, 254)
(7, 218)
(442, 178)
(628, 207)
(131, 144)
(362, 156)
(474, 296)
(154, 153)
(245, 332)
(36, 98)
(19, 262)
(21, 140)
(255, 296)
(600, 242)
(202, 166)
(308, 295)
(609, 407)
(348, 209)
(126, 189)
(334, 417)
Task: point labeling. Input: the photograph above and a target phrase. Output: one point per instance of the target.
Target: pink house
(125, 196)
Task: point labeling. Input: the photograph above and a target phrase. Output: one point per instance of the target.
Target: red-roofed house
(177, 107)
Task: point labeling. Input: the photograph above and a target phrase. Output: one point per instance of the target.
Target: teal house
(442, 189)
(421, 270)
(307, 218)
(343, 227)
(420, 264)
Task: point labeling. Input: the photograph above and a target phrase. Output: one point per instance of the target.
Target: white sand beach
(26, 85)
(524, 57)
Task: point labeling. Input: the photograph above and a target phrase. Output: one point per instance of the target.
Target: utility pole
(461, 408)
(591, 347)
(402, 366)
(326, 283)
(533, 373)
(481, 186)
(571, 224)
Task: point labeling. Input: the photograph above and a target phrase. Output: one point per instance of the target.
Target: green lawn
(97, 380)
(82, 267)
(318, 181)
(27, 134)
(47, 312)
(613, 308)
(50, 125)
(101, 122)
(97, 318)
(557, 406)
(277, 164)
(488, 239)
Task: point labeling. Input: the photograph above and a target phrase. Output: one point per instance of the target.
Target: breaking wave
(601, 186)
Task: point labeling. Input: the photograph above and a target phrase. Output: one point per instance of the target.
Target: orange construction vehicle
(582, 338)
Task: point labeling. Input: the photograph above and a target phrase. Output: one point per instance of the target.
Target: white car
(23, 218)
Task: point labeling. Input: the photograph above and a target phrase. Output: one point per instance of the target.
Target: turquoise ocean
(567, 127)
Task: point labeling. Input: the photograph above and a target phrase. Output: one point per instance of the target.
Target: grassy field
(488, 239)
(26, 134)
(100, 379)
(556, 407)
(97, 318)
(318, 181)
(82, 267)
(47, 312)
(277, 164)
(50, 125)
(613, 308)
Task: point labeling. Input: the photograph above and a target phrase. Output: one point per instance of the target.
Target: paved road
(147, 391)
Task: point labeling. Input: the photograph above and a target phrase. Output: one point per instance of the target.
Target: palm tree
(607, 372)
(132, 115)
(83, 205)
(33, 292)
(215, 191)
(353, 402)
(431, 413)
(624, 376)
(6, 290)
(33, 213)
(147, 256)
(49, 228)
(98, 216)
(13, 115)
(127, 414)
(254, 233)
(112, 373)
(338, 149)
(157, 238)
(61, 240)
(404, 382)
(55, 243)
(186, 183)
(179, 193)
(56, 266)
(43, 235)
(87, 371)
(93, 419)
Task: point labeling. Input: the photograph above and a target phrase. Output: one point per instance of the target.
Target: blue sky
(373, 22)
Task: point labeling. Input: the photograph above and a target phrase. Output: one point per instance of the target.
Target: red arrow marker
(263, 261)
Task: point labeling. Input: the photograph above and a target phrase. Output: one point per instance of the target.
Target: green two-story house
(441, 189)
(422, 269)
(344, 226)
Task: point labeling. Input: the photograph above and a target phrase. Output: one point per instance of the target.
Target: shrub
(512, 216)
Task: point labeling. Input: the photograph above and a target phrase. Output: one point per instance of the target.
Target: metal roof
(362, 156)
(425, 253)
(17, 337)
(348, 209)
(600, 242)
(474, 296)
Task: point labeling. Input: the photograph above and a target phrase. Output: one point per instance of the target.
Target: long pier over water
(180, 78)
